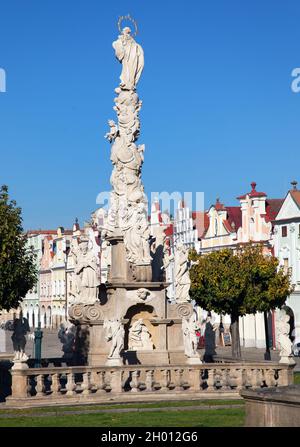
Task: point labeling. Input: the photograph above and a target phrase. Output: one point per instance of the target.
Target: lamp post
(267, 355)
(38, 335)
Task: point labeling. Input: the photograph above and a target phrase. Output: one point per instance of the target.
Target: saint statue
(86, 271)
(115, 333)
(283, 330)
(190, 339)
(137, 235)
(131, 55)
(182, 275)
(139, 336)
(20, 327)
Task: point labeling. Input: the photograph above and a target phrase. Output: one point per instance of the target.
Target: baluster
(259, 378)
(101, 382)
(254, 378)
(55, 384)
(271, 378)
(86, 383)
(265, 377)
(97, 381)
(239, 379)
(225, 383)
(218, 378)
(93, 381)
(70, 387)
(40, 387)
(211, 379)
(247, 378)
(283, 379)
(28, 388)
(178, 379)
(149, 380)
(134, 383)
(194, 376)
(165, 381)
(116, 381)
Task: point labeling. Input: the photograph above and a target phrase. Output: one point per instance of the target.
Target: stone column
(118, 270)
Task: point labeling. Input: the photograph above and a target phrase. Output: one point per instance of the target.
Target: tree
(238, 283)
(17, 262)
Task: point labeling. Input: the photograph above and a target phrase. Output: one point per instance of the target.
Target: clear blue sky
(218, 109)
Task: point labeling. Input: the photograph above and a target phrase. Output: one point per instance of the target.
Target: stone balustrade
(36, 386)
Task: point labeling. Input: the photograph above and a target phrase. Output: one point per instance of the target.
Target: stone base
(193, 361)
(114, 362)
(19, 365)
(273, 407)
(287, 361)
(152, 357)
(127, 302)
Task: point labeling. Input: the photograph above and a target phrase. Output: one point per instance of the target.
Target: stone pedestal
(19, 380)
(128, 298)
(287, 360)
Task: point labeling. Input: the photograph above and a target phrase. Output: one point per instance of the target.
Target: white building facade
(287, 250)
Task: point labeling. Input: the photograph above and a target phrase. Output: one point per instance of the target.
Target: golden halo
(130, 19)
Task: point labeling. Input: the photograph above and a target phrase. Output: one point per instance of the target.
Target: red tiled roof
(45, 232)
(295, 193)
(29, 232)
(234, 218)
(201, 222)
(252, 193)
(272, 208)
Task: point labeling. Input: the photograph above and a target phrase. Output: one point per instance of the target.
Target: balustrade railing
(102, 382)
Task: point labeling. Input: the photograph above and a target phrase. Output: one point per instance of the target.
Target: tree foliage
(17, 267)
(240, 283)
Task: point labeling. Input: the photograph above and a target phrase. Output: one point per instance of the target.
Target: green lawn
(111, 406)
(225, 417)
(230, 417)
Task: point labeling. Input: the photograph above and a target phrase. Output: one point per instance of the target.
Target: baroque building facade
(233, 226)
(287, 250)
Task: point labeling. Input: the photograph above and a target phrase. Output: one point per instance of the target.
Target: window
(284, 231)
(286, 265)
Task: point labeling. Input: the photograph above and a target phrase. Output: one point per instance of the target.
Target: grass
(111, 406)
(229, 417)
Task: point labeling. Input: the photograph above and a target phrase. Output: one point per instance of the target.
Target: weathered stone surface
(273, 407)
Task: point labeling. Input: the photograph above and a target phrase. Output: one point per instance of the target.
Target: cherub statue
(112, 134)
